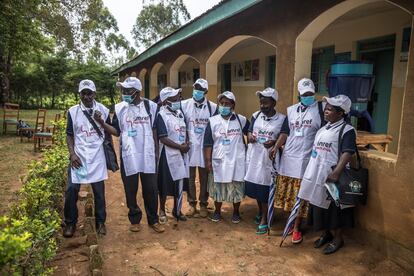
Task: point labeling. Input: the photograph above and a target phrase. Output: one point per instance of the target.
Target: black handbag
(110, 155)
(353, 182)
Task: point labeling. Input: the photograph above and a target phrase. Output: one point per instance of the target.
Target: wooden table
(377, 141)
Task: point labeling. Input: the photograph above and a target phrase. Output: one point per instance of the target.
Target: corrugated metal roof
(219, 12)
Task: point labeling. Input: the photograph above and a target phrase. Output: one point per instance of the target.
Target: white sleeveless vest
(137, 144)
(229, 151)
(176, 129)
(324, 156)
(303, 127)
(197, 120)
(258, 163)
(88, 146)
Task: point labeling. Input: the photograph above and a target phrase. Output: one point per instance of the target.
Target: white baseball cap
(202, 82)
(87, 84)
(306, 85)
(341, 101)
(269, 92)
(229, 95)
(130, 82)
(168, 92)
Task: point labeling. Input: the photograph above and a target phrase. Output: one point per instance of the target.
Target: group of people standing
(166, 144)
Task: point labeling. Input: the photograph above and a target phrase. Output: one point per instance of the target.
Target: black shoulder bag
(110, 155)
(353, 182)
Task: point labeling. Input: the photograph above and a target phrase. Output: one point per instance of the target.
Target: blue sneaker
(215, 217)
(235, 218)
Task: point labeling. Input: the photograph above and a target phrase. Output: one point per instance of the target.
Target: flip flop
(262, 229)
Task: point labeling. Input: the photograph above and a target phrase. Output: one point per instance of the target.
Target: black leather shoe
(100, 229)
(332, 247)
(325, 238)
(69, 230)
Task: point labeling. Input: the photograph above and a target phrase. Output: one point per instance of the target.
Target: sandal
(262, 229)
(332, 247)
(163, 219)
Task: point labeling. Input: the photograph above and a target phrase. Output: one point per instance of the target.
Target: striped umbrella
(291, 220)
(179, 199)
(271, 200)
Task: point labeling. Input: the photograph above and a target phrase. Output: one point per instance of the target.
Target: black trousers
(149, 193)
(71, 198)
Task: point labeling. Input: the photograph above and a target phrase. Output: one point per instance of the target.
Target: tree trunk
(5, 69)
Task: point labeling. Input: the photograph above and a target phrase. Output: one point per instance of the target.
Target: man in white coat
(197, 111)
(87, 157)
(133, 121)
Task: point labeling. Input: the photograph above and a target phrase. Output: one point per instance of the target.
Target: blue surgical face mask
(224, 110)
(175, 105)
(128, 98)
(308, 100)
(198, 95)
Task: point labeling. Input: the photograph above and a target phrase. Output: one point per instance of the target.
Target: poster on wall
(255, 70)
(247, 70)
(238, 72)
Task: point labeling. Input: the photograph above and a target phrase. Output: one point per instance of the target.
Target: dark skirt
(166, 185)
(256, 191)
(330, 219)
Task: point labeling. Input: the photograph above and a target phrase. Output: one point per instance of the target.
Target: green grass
(29, 116)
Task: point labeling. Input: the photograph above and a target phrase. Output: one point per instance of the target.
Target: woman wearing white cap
(263, 131)
(298, 132)
(328, 160)
(197, 111)
(174, 146)
(225, 153)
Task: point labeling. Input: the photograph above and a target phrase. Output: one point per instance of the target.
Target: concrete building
(246, 45)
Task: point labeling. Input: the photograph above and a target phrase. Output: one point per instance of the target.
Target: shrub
(28, 234)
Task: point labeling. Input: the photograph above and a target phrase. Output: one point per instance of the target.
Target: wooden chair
(52, 128)
(40, 133)
(11, 113)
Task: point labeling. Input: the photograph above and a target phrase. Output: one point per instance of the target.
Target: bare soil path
(201, 247)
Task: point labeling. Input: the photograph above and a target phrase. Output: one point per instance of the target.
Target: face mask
(175, 105)
(198, 95)
(128, 98)
(307, 100)
(224, 110)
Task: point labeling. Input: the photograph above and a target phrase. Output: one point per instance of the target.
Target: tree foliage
(31, 30)
(158, 19)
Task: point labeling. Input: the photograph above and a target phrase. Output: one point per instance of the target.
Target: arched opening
(144, 78)
(376, 31)
(158, 79)
(183, 72)
(242, 64)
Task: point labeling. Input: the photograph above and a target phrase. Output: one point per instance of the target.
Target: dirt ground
(202, 247)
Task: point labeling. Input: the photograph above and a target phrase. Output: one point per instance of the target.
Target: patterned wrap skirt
(225, 192)
(286, 193)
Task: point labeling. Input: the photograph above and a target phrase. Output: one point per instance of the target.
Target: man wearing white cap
(197, 111)
(263, 131)
(333, 147)
(225, 154)
(134, 121)
(87, 157)
(298, 132)
(174, 146)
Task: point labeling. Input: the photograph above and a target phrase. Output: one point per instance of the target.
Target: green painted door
(379, 105)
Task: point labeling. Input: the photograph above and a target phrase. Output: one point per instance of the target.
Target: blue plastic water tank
(352, 68)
